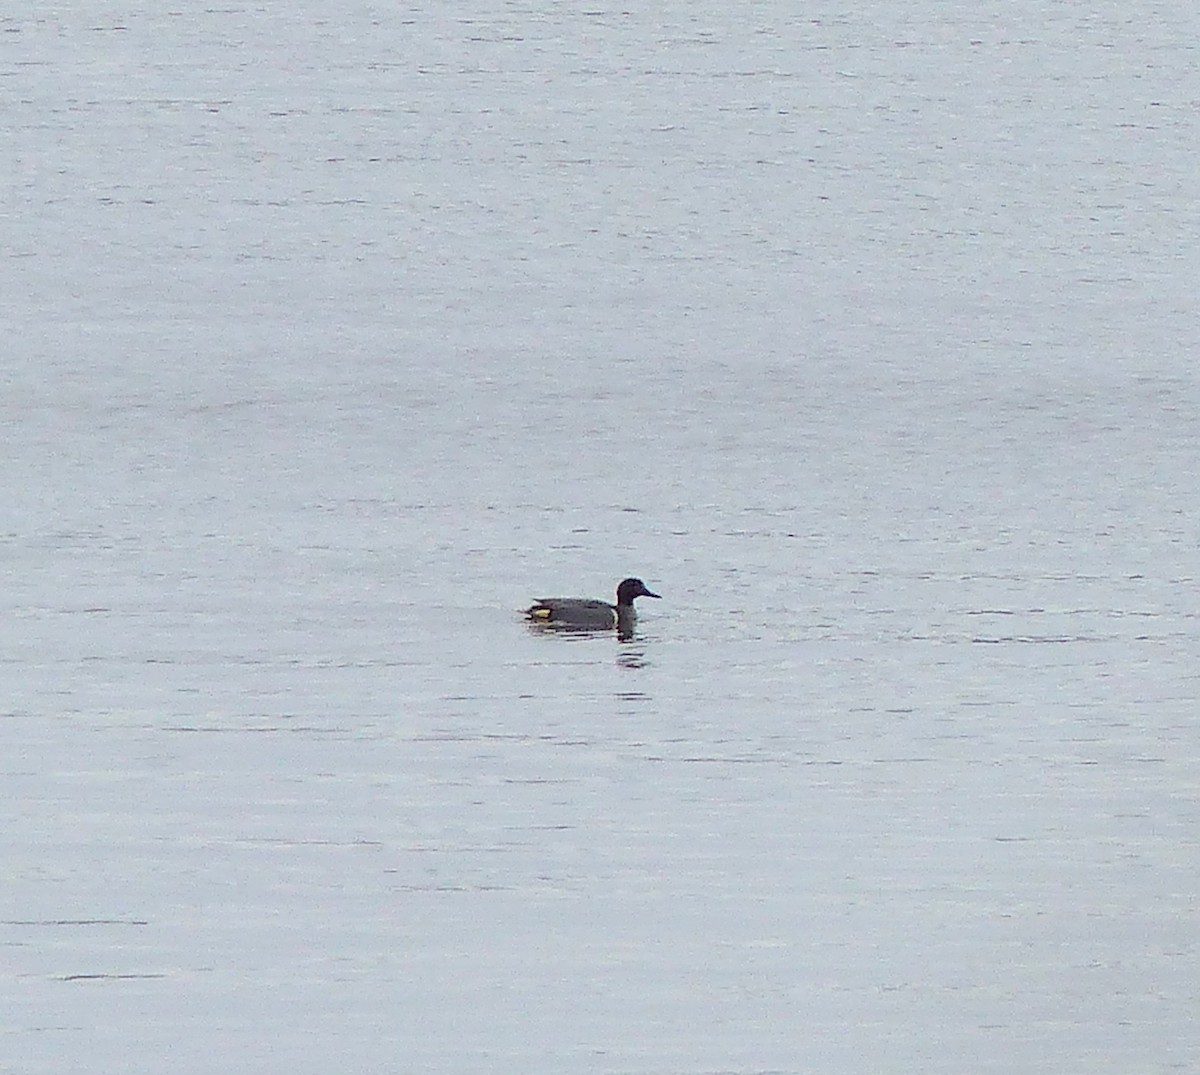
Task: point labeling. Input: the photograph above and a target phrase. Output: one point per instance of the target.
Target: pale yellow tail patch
(540, 613)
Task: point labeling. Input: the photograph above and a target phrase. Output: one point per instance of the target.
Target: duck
(587, 614)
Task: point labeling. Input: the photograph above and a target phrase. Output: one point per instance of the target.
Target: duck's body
(586, 614)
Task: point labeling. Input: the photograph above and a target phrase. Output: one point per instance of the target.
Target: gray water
(335, 335)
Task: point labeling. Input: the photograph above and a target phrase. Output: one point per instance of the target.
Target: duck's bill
(647, 593)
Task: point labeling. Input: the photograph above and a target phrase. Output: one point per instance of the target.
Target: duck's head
(631, 588)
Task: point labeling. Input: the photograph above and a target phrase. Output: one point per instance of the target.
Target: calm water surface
(335, 336)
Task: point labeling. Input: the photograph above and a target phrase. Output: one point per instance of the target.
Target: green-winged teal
(585, 614)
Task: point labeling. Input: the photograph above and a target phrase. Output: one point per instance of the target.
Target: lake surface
(336, 334)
